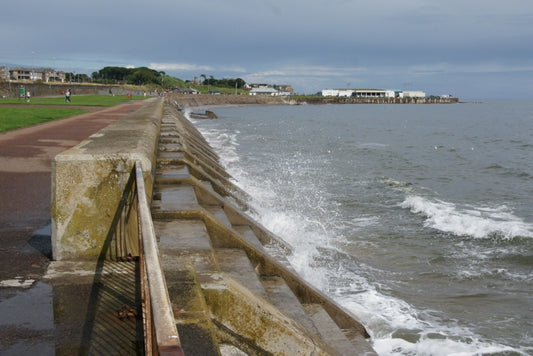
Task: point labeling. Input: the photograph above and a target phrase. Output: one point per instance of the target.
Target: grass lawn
(16, 118)
(86, 100)
(12, 118)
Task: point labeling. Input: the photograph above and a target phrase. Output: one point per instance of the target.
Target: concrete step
(168, 128)
(169, 139)
(207, 184)
(236, 264)
(279, 255)
(329, 330)
(185, 242)
(170, 147)
(168, 173)
(175, 197)
(283, 298)
(246, 232)
(219, 213)
(185, 250)
(168, 157)
(190, 312)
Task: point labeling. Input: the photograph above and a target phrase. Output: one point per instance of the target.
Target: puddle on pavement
(27, 322)
(73, 316)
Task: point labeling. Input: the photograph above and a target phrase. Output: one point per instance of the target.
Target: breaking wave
(477, 222)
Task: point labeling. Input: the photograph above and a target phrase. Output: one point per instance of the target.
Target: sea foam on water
(477, 222)
(364, 239)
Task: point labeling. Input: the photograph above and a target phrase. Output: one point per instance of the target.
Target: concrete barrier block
(85, 196)
(88, 181)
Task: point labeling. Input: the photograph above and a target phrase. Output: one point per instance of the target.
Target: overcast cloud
(469, 48)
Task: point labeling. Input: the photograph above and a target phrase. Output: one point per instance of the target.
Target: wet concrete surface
(30, 305)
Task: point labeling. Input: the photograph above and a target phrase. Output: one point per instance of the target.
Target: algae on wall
(86, 195)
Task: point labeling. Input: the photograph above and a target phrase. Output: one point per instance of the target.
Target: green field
(16, 118)
(85, 100)
(27, 114)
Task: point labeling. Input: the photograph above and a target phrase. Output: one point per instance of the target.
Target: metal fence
(134, 237)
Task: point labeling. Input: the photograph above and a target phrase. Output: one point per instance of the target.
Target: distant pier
(357, 100)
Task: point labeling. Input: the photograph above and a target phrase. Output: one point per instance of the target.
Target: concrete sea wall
(231, 292)
(11, 89)
(88, 181)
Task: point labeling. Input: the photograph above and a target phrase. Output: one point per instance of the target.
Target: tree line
(147, 76)
(122, 75)
(226, 82)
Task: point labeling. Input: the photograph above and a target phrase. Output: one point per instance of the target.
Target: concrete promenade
(25, 245)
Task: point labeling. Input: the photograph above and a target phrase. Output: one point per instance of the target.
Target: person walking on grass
(67, 96)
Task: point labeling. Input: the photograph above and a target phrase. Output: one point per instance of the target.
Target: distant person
(28, 96)
(67, 96)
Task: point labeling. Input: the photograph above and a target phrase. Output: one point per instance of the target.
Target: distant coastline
(10, 90)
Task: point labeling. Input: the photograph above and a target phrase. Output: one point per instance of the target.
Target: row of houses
(31, 74)
(372, 93)
(253, 89)
(266, 89)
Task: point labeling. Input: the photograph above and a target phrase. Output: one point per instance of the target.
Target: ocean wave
(398, 329)
(290, 205)
(499, 273)
(509, 172)
(442, 345)
(477, 222)
(224, 143)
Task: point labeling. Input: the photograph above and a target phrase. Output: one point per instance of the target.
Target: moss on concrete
(88, 181)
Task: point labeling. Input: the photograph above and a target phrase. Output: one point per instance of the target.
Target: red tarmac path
(25, 185)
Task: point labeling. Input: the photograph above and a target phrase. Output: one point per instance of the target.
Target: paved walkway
(25, 185)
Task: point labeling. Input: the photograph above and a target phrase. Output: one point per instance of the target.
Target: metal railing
(134, 235)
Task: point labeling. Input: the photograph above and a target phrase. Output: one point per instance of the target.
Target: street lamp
(32, 74)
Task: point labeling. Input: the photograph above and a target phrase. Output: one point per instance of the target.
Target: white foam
(478, 222)
(444, 346)
(289, 216)
(361, 222)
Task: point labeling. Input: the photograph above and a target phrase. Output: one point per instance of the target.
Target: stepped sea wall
(226, 290)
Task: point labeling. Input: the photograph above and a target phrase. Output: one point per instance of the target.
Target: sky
(467, 48)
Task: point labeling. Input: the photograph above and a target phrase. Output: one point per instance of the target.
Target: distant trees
(147, 76)
(225, 82)
(78, 78)
(137, 76)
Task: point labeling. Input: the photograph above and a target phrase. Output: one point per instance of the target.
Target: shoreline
(184, 102)
(192, 100)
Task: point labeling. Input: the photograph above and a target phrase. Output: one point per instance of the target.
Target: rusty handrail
(133, 234)
(161, 335)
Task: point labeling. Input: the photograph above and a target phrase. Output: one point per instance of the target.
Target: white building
(337, 92)
(264, 91)
(412, 94)
(373, 93)
(359, 93)
(34, 74)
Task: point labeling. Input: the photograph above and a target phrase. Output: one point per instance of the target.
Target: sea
(418, 219)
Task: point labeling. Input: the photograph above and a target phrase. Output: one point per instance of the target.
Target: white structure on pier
(372, 93)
